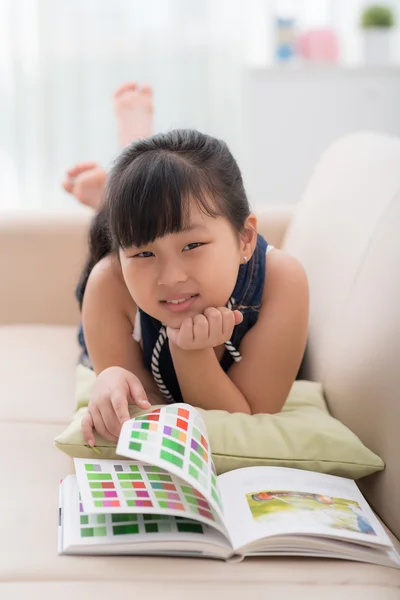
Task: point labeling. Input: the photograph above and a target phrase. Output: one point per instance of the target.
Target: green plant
(377, 16)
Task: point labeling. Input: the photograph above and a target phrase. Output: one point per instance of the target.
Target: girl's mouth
(180, 304)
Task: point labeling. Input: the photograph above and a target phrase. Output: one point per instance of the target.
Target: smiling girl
(181, 299)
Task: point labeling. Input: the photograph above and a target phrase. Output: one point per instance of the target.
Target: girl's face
(197, 267)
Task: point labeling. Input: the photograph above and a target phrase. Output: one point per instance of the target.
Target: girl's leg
(133, 109)
(87, 182)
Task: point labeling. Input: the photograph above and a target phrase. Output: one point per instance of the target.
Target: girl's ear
(248, 238)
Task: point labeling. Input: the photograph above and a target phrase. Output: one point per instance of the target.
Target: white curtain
(61, 61)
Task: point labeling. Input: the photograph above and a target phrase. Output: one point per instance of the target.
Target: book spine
(59, 541)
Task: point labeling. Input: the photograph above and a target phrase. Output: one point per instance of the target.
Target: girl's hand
(211, 329)
(114, 390)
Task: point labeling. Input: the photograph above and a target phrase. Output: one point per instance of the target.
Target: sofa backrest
(346, 232)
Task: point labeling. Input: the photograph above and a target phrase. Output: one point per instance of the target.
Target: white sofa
(346, 231)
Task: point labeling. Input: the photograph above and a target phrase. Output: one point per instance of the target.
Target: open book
(167, 500)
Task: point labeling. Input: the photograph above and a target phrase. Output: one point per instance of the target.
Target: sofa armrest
(273, 223)
(41, 255)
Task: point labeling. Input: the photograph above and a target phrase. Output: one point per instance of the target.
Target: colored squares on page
(125, 529)
(93, 531)
(142, 434)
(198, 475)
(199, 507)
(153, 415)
(101, 487)
(171, 505)
(199, 437)
(92, 467)
(99, 476)
(158, 527)
(172, 451)
(107, 503)
(144, 426)
(177, 434)
(93, 520)
(139, 503)
(159, 485)
(198, 448)
(171, 458)
(216, 497)
(92, 525)
(126, 468)
(159, 477)
(189, 527)
(129, 476)
(196, 503)
(124, 524)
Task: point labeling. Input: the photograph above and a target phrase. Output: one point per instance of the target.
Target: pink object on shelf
(318, 45)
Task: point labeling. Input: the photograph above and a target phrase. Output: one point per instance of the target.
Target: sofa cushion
(303, 435)
(32, 470)
(37, 372)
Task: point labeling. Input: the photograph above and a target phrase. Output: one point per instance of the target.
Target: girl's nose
(171, 273)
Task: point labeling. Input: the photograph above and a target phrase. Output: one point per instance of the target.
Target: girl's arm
(271, 351)
(108, 315)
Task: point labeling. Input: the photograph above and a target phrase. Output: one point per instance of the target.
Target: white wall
(291, 116)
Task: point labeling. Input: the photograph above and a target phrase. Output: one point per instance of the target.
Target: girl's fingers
(110, 420)
(87, 429)
(238, 317)
(99, 425)
(137, 393)
(228, 322)
(201, 330)
(215, 323)
(119, 402)
(173, 334)
(186, 334)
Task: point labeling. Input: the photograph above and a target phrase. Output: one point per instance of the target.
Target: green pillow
(303, 435)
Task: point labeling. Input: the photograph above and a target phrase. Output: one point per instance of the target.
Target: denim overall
(246, 297)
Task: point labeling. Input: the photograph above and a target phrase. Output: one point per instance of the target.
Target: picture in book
(336, 513)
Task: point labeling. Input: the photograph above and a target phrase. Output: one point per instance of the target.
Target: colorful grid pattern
(179, 445)
(102, 487)
(92, 525)
(143, 431)
(104, 525)
(136, 488)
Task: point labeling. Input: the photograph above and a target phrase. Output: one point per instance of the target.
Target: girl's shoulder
(106, 285)
(283, 271)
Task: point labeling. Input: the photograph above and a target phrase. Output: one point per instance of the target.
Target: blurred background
(279, 80)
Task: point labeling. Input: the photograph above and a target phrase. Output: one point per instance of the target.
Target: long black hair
(151, 186)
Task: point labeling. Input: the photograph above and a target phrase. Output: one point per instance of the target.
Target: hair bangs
(152, 197)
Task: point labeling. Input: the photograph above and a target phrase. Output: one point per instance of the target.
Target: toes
(68, 185)
(146, 89)
(125, 87)
(80, 168)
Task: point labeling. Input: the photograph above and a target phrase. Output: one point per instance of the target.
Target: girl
(219, 318)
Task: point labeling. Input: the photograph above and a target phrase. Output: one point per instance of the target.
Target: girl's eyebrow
(192, 226)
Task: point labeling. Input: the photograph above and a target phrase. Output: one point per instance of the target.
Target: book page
(81, 529)
(115, 487)
(266, 501)
(174, 438)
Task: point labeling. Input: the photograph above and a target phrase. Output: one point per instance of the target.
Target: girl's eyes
(143, 255)
(191, 246)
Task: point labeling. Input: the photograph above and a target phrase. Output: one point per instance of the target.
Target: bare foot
(87, 182)
(133, 108)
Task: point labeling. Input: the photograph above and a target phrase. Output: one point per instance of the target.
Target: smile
(180, 304)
